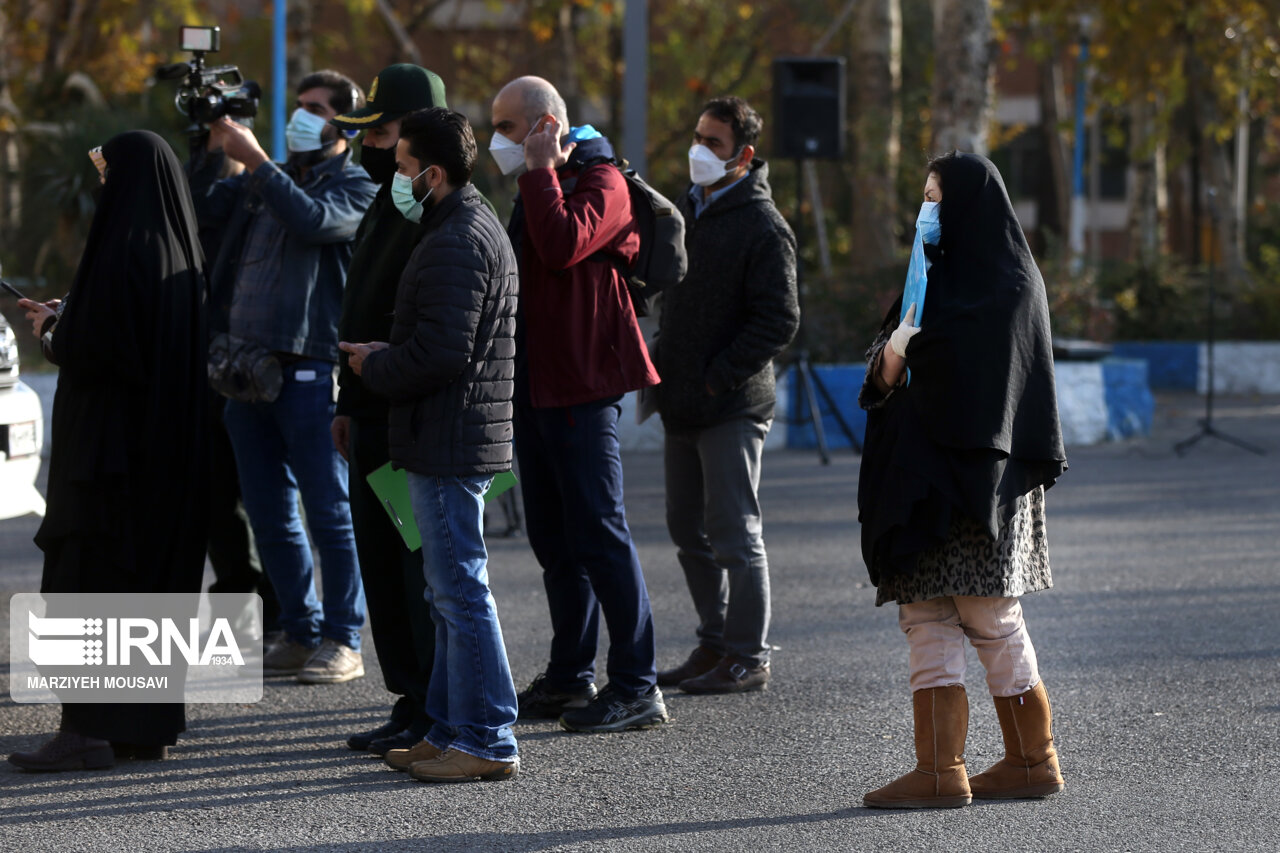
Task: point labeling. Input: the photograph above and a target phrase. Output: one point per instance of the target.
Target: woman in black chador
(962, 441)
(127, 474)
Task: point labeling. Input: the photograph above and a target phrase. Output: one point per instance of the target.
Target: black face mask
(380, 163)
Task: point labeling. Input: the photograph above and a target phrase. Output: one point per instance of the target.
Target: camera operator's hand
(213, 138)
(238, 142)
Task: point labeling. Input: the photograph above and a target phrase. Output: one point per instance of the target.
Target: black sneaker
(613, 712)
(541, 701)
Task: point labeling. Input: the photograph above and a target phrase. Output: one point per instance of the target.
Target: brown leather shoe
(455, 766)
(402, 759)
(701, 660)
(731, 675)
(67, 751)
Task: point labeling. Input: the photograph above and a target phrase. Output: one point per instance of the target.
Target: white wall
(1082, 401)
(1241, 368)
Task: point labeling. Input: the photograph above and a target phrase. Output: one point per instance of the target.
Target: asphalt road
(1159, 647)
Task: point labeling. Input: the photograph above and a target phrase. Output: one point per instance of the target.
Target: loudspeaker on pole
(809, 107)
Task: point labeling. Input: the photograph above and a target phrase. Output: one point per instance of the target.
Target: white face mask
(706, 168)
(507, 154)
(303, 131)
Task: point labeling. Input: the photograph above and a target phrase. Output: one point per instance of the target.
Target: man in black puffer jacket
(449, 372)
(720, 330)
(403, 634)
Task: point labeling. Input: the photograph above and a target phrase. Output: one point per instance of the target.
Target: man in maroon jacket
(578, 350)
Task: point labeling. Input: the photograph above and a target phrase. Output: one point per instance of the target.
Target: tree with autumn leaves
(1168, 76)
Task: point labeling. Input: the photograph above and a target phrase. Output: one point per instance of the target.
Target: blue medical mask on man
(304, 131)
(402, 195)
(928, 230)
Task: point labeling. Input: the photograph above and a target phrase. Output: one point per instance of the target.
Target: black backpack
(662, 260)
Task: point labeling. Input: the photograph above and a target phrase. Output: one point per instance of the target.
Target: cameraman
(276, 285)
(231, 550)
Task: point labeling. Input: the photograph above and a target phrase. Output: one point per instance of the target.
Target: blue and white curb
(1239, 367)
(1098, 401)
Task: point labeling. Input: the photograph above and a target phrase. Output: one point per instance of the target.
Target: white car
(21, 434)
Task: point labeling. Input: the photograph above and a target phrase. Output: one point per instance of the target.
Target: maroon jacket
(582, 339)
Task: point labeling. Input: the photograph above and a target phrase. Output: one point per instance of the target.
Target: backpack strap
(567, 186)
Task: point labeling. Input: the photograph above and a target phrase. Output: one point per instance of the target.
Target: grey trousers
(713, 516)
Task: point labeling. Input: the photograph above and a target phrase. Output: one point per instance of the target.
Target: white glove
(904, 333)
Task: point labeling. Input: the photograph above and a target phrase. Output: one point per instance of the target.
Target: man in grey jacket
(720, 330)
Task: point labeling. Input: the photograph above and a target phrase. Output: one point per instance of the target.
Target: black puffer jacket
(450, 369)
(735, 310)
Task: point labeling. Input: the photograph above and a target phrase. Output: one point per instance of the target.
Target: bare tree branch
(408, 50)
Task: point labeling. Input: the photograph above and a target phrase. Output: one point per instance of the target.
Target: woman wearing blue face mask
(951, 488)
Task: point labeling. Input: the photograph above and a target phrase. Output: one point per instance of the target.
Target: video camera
(208, 94)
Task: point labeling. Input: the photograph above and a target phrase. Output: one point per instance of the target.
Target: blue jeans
(471, 696)
(284, 449)
(571, 467)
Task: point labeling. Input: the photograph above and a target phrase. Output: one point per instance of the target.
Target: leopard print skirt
(971, 563)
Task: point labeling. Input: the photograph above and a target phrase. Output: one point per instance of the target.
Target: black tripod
(797, 356)
(1206, 423)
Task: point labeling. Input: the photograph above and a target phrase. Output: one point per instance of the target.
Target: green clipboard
(391, 485)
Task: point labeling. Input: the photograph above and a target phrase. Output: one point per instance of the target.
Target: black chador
(977, 425)
(128, 467)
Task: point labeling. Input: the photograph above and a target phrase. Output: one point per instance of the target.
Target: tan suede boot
(1029, 768)
(939, 780)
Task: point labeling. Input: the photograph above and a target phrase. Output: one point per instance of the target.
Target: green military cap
(397, 91)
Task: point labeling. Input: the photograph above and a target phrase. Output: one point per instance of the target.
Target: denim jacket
(292, 303)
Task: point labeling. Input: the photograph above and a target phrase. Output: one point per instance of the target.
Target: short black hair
(441, 137)
(344, 95)
(738, 114)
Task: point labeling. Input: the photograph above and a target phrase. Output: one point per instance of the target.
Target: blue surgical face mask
(402, 195)
(927, 224)
(928, 230)
(303, 132)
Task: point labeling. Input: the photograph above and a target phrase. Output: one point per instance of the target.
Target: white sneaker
(286, 657)
(332, 663)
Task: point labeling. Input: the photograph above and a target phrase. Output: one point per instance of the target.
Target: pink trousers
(936, 630)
